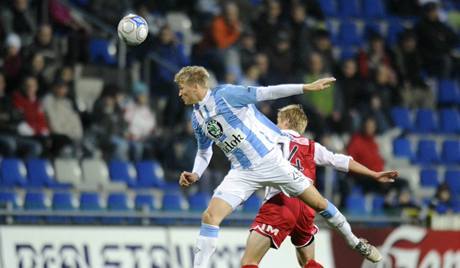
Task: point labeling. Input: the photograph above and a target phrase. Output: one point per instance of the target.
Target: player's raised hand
(319, 84)
(187, 178)
(387, 176)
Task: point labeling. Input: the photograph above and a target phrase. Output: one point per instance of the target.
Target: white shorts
(273, 171)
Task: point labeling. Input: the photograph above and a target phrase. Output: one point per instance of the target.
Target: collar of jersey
(205, 99)
(291, 132)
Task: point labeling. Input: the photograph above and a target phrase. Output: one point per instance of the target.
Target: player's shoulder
(227, 90)
(296, 137)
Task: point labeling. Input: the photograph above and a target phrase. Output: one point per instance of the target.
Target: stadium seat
(13, 172)
(395, 27)
(374, 9)
(425, 121)
(426, 152)
(100, 51)
(429, 178)
(355, 204)
(122, 171)
(452, 178)
(349, 8)
(449, 121)
(401, 118)
(34, 201)
(149, 174)
(8, 200)
(121, 203)
(62, 201)
(372, 28)
(172, 201)
(328, 7)
(67, 171)
(348, 34)
(377, 204)
(96, 175)
(252, 204)
(448, 92)
(40, 173)
(144, 202)
(89, 202)
(198, 202)
(450, 153)
(402, 148)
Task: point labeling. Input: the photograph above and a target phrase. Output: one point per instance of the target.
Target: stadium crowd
(385, 54)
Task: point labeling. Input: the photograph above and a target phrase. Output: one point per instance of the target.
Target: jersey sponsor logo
(214, 129)
(267, 228)
(232, 142)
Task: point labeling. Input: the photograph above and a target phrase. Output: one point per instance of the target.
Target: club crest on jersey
(214, 129)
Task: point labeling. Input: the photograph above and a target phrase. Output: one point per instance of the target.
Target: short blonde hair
(294, 116)
(192, 75)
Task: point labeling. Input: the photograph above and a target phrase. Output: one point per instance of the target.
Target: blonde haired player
(226, 115)
(290, 216)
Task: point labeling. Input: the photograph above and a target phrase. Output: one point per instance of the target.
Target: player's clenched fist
(187, 178)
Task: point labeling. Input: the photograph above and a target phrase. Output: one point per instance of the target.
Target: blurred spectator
(13, 61)
(402, 201)
(263, 64)
(379, 112)
(376, 56)
(443, 201)
(173, 54)
(385, 85)
(140, 119)
(322, 45)
(281, 59)
(403, 7)
(20, 19)
(251, 76)
(364, 149)
(226, 28)
(436, 42)
(155, 19)
(11, 144)
(36, 68)
(301, 35)
(46, 45)
(182, 150)
(248, 50)
(415, 93)
(109, 10)
(62, 117)
(269, 24)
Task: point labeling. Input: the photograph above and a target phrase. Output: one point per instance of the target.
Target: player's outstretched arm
(319, 84)
(383, 176)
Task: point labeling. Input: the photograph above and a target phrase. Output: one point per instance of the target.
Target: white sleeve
(277, 92)
(324, 157)
(202, 159)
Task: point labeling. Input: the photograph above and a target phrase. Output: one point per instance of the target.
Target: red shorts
(282, 216)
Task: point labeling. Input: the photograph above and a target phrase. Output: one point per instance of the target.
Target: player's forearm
(278, 91)
(202, 159)
(358, 168)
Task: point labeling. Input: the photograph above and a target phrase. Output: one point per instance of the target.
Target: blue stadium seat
(198, 202)
(348, 34)
(377, 204)
(328, 7)
(401, 118)
(62, 201)
(33, 201)
(402, 148)
(117, 202)
(349, 8)
(449, 121)
(347, 52)
(122, 171)
(429, 178)
(395, 27)
(452, 178)
(448, 92)
(374, 9)
(149, 174)
(426, 152)
(450, 153)
(356, 204)
(372, 28)
(144, 202)
(13, 172)
(172, 201)
(89, 202)
(99, 52)
(425, 121)
(40, 173)
(252, 204)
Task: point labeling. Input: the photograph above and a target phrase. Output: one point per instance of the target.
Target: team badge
(214, 128)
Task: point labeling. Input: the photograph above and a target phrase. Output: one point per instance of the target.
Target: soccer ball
(132, 29)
